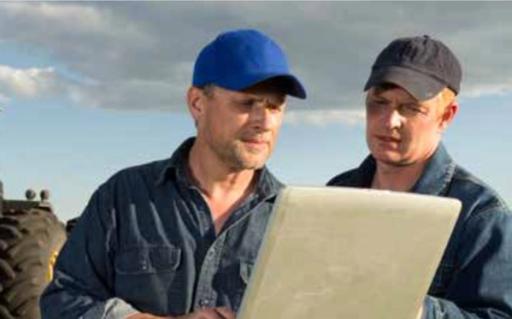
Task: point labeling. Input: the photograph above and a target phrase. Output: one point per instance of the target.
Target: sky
(89, 88)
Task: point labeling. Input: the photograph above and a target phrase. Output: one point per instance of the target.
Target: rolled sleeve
(113, 308)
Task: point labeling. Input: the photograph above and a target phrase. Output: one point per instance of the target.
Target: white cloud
(28, 83)
(139, 55)
(484, 89)
(78, 16)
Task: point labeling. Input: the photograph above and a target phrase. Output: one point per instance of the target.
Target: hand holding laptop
(205, 313)
(210, 313)
(420, 313)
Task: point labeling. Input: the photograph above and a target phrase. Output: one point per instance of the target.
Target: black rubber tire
(29, 244)
(70, 224)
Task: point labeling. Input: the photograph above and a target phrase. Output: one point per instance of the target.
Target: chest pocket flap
(147, 259)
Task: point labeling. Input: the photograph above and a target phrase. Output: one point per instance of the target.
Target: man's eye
(243, 105)
(248, 102)
(377, 103)
(412, 110)
(276, 107)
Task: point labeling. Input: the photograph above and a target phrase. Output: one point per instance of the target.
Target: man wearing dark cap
(410, 102)
(177, 238)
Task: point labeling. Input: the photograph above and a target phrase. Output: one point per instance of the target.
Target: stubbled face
(240, 128)
(401, 130)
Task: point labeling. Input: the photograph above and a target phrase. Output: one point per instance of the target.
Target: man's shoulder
(347, 178)
(149, 172)
(477, 197)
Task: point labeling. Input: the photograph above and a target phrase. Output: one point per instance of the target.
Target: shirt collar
(437, 173)
(365, 171)
(175, 168)
(433, 180)
(268, 185)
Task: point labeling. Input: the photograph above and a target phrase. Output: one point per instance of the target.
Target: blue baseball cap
(237, 60)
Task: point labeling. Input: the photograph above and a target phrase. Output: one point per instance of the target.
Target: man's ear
(448, 115)
(195, 102)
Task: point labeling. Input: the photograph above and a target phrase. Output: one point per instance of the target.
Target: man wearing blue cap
(410, 101)
(177, 238)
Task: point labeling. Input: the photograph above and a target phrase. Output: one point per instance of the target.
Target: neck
(397, 178)
(213, 176)
(401, 178)
(223, 188)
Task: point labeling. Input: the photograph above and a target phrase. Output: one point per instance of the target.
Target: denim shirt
(146, 242)
(474, 278)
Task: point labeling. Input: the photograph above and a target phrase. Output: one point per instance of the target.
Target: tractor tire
(70, 224)
(29, 244)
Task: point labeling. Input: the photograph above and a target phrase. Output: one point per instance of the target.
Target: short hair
(208, 89)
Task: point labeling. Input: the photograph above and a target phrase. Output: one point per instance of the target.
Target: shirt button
(204, 303)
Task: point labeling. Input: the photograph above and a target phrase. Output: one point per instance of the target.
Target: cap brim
(419, 85)
(288, 83)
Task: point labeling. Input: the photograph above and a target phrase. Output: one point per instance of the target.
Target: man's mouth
(388, 139)
(255, 142)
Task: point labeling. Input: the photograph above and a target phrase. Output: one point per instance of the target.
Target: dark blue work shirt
(474, 278)
(146, 242)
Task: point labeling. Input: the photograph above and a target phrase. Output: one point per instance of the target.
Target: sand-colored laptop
(344, 253)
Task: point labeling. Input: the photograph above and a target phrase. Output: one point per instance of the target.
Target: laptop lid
(335, 252)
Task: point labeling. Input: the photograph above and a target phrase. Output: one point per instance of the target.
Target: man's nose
(392, 118)
(262, 117)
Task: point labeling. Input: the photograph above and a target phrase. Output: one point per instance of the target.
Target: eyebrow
(257, 98)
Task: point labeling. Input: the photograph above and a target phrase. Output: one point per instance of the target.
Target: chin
(390, 158)
(254, 163)
(398, 161)
(250, 161)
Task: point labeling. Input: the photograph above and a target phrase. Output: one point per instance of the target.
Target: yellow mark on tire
(51, 264)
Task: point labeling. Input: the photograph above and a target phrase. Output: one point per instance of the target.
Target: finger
(209, 313)
(225, 312)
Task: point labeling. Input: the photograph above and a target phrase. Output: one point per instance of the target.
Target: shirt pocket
(147, 260)
(147, 277)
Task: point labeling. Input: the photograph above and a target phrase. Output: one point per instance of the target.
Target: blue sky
(90, 88)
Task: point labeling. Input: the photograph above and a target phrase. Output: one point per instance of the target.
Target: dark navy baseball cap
(239, 59)
(421, 65)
